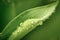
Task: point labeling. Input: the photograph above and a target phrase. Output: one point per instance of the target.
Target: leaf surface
(41, 13)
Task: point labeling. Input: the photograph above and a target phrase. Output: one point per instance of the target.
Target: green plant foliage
(33, 17)
(10, 8)
(22, 24)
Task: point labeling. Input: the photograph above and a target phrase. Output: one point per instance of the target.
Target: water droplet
(19, 29)
(21, 24)
(41, 23)
(14, 33)
(32, 22)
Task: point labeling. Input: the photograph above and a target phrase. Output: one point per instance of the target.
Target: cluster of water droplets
(27, 25)
(30, 23)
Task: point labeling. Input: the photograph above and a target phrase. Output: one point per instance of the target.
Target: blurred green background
(50, 30)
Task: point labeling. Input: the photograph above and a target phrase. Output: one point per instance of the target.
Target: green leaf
(11, 8)
(38, 14)
(49, 31)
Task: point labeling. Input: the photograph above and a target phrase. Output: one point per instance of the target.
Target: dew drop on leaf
(21, 23)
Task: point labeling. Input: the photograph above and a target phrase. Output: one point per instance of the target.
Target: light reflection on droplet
(21, 24)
